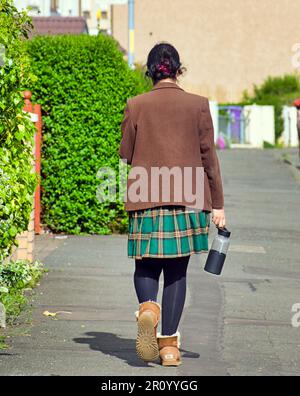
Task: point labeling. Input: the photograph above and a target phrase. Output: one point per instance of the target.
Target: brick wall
(26, 243)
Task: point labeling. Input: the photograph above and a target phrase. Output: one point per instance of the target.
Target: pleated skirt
(167, 231)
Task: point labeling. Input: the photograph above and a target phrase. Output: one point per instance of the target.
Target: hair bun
(163, 61)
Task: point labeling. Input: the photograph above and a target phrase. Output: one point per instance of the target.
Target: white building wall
(68, 8)
(71, 8)
(43, 5)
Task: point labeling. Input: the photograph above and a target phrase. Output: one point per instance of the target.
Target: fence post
(38, 146)
(36, 110)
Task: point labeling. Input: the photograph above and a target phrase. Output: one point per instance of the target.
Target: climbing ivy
(17, 181)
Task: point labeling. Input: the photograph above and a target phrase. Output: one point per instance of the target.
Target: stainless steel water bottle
(217, 254)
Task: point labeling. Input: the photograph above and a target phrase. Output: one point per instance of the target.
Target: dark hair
(163, 62)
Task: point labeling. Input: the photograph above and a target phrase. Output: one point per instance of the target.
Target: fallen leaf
(47, 313)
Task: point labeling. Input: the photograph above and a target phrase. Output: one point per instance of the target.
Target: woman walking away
(173, 187)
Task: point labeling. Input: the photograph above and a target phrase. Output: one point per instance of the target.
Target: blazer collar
(161, 84)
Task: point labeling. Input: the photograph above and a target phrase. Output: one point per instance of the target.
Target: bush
(17, 182)
(83, 83)
(276, 91)
(144, 83)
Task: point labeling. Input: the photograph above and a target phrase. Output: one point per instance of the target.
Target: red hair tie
(164, 68)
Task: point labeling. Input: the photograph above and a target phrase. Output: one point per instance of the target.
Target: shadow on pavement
(113, 345)
(122, 348)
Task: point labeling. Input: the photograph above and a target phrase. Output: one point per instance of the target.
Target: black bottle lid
(224, 232)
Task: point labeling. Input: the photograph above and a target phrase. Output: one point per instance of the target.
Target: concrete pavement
(237, 324)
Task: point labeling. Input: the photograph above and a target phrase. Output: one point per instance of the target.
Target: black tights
(146, 282)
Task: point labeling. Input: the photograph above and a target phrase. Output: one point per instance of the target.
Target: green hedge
(83, 83)
(17, 182)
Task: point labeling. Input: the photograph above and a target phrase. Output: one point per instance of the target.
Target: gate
(232, 123)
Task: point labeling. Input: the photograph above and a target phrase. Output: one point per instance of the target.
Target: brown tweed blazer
(169, 127)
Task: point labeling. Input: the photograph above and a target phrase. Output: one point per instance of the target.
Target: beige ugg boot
(169, 349)
(147, 319)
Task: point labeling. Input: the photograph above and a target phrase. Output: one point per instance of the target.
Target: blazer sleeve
(209, 156)
(128, 135)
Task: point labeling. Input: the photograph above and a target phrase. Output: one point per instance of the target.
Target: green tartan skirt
(167, 231)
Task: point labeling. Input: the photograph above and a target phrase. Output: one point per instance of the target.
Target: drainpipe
(131, 33)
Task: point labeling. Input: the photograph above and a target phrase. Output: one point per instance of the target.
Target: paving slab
(236, 324)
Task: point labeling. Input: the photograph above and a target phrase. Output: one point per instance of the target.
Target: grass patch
(16, 278)
(286, 158)
(3, 345)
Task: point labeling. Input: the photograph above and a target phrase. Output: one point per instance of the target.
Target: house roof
(59, 25)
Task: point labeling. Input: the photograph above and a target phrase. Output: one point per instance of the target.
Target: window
(104, 14)
(87, 14)
(54, 6)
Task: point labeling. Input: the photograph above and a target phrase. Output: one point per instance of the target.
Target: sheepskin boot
(169, 349)
(147, 317)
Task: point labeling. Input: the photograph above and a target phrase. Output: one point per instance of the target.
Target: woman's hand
(218, 217)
